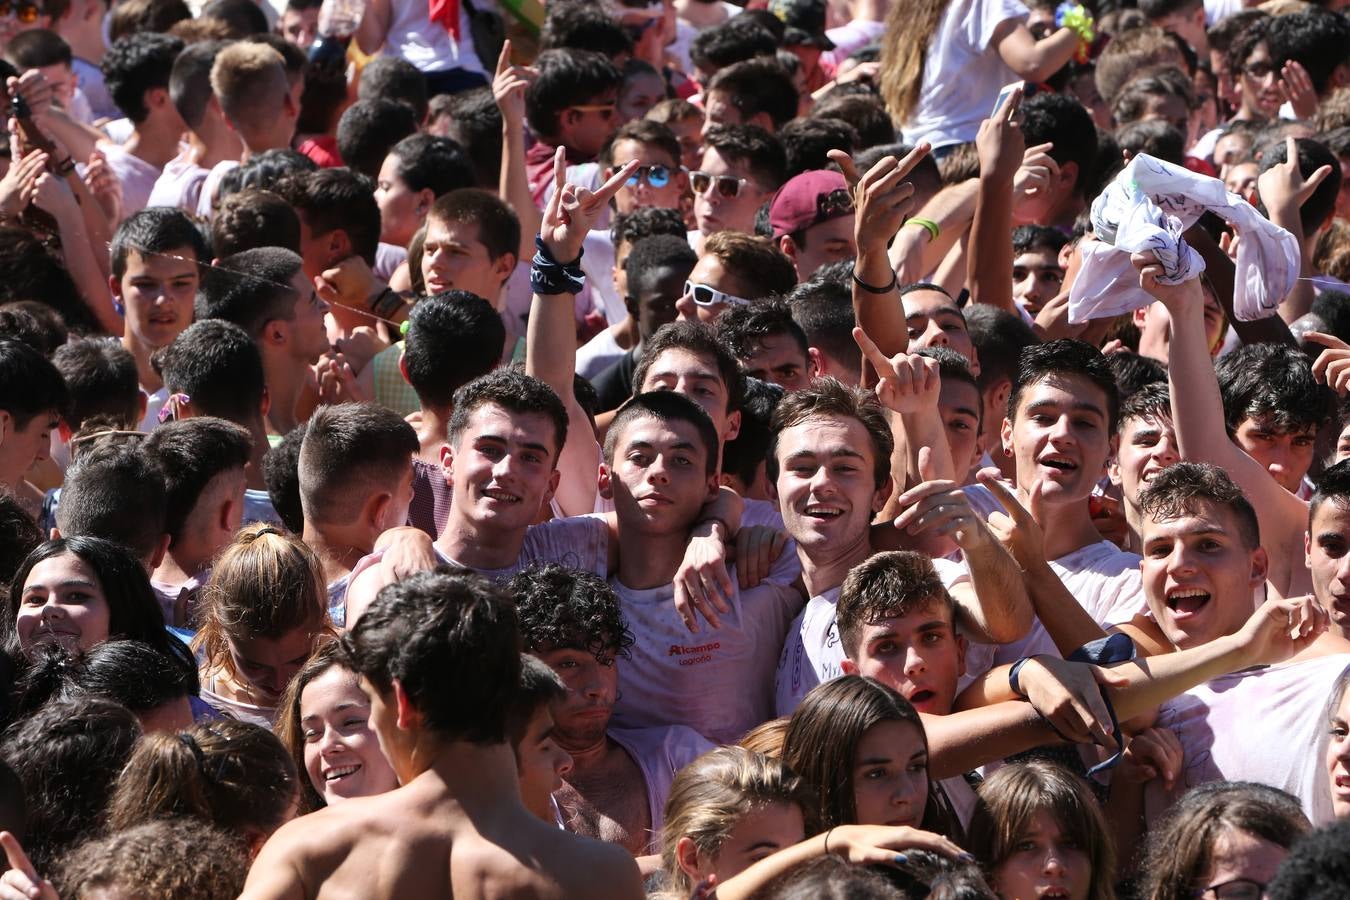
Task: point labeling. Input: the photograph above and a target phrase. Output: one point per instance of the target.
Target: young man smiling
(660, 470)
(154, 260)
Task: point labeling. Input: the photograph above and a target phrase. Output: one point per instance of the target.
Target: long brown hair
(288, 729)
(822, 745)
(1180, 849)
(1010, 799)
(711, 795)
(264, 584)
(230, 774)
(910, 25)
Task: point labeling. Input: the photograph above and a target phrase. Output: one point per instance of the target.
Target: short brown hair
(886, 586)
(1175, 491)
(1130, 52)
(757, 265)
(249, 79)
(827, 397)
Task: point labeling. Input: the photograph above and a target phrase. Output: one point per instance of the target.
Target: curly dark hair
(159, 860)
(563, 608)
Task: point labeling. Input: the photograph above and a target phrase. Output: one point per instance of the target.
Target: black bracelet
(548, 276)
(386, 302)
(871, 289)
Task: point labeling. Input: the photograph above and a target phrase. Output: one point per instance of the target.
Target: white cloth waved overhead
(1147, 207)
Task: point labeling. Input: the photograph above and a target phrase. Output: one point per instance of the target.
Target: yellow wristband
(927, 225)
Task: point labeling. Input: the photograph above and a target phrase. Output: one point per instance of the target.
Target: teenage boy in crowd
(661, 470)
(203, 460)
(622, 335)
(355, 483)
(740, 169)
(155, 272)
(209, 140)
(896, 625)
(418, 171)
(137, 70)
(249, 82)
(1060, 431)
(1203, 435)
(829, 464)
(616, 790)
(823, 308)
(265, 292)
(751, 92)
(472, 242)
(570, 104)
(81, 25)
(813, 221)
(658, 183)
(541, 762)
(1203, 564)
(31, 400)
(735, 269)
(115, 490)
(768, 343)
(656, 272)
(456, 825)
(214, 369)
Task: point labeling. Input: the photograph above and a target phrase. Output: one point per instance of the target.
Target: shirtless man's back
(438, 656)
(420, 841)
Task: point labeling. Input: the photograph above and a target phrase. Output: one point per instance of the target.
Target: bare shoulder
(543, 863)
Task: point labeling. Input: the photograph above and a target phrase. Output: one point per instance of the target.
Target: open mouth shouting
(923, 700)
(1186, 602)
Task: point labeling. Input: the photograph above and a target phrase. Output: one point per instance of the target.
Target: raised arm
(374, 28)
(989, 257)
(1273, 634)
(1030, 59)
(1283, 190)
(883, 198)
(550, 337)
(508, 87)
(1197, 406)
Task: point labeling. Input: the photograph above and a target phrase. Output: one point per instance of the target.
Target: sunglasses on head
(705, 295)
(26, 13)
(655, 176)
(727, 185)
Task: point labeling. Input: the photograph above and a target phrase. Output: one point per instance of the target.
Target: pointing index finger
(15, 857)
(504, 58)
(872, 352)
(616, 181)
(1326, 340)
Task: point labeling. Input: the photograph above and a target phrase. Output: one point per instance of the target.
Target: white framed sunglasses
(706, 295)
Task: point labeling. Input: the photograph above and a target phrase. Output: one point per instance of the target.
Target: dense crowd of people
(675, 448)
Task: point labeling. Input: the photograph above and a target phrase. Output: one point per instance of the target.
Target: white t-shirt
(1264, 724)
(597, 354)
(179, 185)
(427, 44)
(597, 261)
(660, 753)
(579, 542)
(136, 176)
(813, 654)
(962, 73)
(211, 183)
(718, 682)
(1103, 579)
(852, 37)
(762, 512)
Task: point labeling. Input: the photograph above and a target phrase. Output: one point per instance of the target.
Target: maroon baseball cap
(809, 199)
